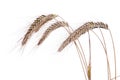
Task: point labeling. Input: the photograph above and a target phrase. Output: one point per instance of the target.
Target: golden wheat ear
(81, 30)
(45, 20)
(51, 28)
(36, 25)
(31, 29)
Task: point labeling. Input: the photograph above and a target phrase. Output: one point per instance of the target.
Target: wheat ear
(53, 27)
(81, 30)
(31, 29)
(45, 20)
(36, 25)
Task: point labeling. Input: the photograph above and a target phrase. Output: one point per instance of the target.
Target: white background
(44, 62)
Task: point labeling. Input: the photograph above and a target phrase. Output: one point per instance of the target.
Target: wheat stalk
(104, 47)
(89, 64)
(80, 52)
(81, 30)
(78, 32)
(114, 54)
(51, 28)
(41, 20)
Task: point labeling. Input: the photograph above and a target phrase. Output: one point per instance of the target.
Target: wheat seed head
(51, 28)
(97, 25)
(31, 29)
(45, 20)
(36, 25)
(81, 30)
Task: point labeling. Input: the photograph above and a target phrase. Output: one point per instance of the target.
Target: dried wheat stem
(108, 64)
(36, 25)
(78, 32)
(114, 53)
(89, 66)
(52, 28)
(106, 52)
(82, 62)
(80, 53)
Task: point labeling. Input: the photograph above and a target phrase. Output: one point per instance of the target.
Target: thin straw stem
(105, 48)
(82, 59)
(108, 65)
(80, 56)
(89, 66)
(89, 48)
(114, 53)
(82, 53)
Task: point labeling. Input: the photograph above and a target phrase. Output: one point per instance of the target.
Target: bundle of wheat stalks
(73, 37)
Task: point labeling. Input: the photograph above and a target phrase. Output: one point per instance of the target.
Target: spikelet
(53, 27)
(81, 30)
(36, 25)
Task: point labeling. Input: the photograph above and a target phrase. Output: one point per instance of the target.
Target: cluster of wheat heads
(73, 37)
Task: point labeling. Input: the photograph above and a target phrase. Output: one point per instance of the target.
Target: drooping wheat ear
(81, 30)
(31, 29)
(36, 25)
(45, 20)
(53, 27)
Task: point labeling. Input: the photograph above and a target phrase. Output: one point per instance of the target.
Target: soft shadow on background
(44, 62)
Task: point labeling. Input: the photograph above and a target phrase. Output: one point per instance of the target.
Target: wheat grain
(81, 30)
(52, 28)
